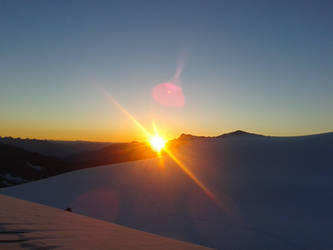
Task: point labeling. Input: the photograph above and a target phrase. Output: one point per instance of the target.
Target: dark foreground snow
(26, 225)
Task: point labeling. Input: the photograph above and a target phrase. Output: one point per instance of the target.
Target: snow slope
(26, 225)
(273, 193)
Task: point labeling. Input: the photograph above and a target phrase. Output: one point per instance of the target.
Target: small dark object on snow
(68, 209)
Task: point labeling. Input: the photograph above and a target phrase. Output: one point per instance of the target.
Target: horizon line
(194, 135)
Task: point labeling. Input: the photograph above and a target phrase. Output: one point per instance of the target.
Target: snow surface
(276, 193)
(26, 225)
(36, 167)
(13, 179)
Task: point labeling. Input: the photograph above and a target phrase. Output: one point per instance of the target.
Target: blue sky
(260, 66)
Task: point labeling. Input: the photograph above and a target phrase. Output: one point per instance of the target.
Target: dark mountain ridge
(18, 165)
(236, 133)
(53, 147)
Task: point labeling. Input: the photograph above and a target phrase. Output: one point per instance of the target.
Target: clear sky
(259, 66)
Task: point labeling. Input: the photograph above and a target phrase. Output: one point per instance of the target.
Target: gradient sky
(259, 66)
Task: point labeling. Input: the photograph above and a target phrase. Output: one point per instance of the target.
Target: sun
(157, 143)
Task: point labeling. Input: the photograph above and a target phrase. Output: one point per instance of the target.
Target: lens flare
(168, 94)
(157, 143)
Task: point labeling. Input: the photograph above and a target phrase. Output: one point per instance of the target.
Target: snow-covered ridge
(275, 193)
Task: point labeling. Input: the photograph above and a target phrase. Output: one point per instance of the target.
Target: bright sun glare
(157, 143)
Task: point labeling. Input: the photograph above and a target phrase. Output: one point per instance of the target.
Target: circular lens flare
(157, 143)
(168, 94)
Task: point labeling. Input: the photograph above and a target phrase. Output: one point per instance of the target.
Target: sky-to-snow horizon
(259, 66)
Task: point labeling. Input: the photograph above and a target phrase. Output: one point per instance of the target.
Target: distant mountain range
(53, 147)
(26, 160)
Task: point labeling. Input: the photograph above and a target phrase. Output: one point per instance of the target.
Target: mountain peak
(189, 137)
(236, 133)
